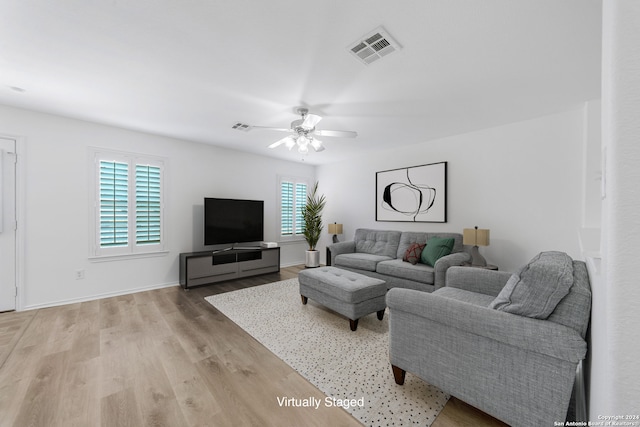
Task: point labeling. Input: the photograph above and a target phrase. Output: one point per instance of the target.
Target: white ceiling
(191, 69)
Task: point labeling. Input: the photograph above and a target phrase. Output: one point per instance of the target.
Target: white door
(7, 224)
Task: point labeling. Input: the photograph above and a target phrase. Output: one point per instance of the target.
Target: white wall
(592, 166)
(520, 180)
(592, 179)
(615, 376)
(56, 216)
(523, 181)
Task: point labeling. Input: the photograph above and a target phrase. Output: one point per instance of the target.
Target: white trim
(101, 296)
(21, 195)
(132, 250)
(291, 264)
(20, 216)
(295, 179)
(2, 188)
(290, 239)
(116, 257)
(292, 242)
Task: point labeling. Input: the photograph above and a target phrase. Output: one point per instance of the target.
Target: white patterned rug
(343, 364)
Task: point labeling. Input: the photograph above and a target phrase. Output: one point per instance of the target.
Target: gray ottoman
(351, 294)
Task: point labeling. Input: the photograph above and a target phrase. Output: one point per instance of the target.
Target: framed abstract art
(412, 194)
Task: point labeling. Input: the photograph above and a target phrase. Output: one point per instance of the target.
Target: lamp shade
(335, 228)
(475, 236)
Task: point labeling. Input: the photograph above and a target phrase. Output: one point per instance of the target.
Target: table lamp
(476, 237)
(335, 229)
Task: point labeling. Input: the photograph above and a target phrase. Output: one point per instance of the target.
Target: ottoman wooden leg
(304, 299)
(353, 324)
(398, 374)
(380, 314)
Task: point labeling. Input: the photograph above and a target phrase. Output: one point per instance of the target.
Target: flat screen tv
(228, 221)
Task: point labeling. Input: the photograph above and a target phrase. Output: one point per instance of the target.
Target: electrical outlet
(79, 274)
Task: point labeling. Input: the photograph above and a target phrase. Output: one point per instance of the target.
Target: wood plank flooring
(158, 358)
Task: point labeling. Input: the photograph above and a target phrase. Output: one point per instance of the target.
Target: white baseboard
(118, 293)
(98, 296)
(292, 264)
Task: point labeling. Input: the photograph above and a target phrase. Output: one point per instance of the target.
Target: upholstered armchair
(506, 344)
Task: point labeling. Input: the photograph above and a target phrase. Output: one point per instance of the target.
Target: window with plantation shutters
(300, 201)
(114, 204)
(293, 196)
(129, 210)
(286, 204)
(148, 208)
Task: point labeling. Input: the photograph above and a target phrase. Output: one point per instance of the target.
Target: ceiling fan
(304, 133)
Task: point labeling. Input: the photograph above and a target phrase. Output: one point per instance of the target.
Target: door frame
(20, 216)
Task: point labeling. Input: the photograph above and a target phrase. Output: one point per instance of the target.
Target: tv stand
(237, 248)
(202, 268)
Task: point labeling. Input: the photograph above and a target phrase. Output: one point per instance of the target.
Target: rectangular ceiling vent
(241, 126)
(374, 46)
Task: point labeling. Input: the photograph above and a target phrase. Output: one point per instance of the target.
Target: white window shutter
(114, 204)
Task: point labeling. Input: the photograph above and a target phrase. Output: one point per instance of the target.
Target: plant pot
(312, 259)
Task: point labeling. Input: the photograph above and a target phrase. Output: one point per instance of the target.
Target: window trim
(132, 249)
(295, 180)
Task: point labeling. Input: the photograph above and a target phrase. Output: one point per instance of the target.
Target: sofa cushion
(377, 242)
(360, 261)
(408, 238)
(536, 289)
(413, 253)
(397, 268)
(435, 249)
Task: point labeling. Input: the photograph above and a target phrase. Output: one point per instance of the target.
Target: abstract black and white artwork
(413, 194)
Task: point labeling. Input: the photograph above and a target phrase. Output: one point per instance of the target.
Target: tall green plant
(312, 215)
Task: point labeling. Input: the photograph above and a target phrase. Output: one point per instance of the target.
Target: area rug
(319, 345)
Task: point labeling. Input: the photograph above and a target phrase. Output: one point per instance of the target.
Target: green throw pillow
(436, 248)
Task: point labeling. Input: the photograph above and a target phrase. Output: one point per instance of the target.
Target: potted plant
(312, 215)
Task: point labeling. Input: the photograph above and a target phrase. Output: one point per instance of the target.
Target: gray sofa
(506, 344)
(379, 253)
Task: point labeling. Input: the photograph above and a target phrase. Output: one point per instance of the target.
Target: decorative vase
(312, 259)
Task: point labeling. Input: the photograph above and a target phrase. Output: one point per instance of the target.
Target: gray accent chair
(378, 254)
(467, 340)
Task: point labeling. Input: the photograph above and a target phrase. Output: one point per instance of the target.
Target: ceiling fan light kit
(303, 131)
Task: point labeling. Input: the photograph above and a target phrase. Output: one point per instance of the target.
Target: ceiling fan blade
(270, 128)
(337, 133)
(289, 141)
(317, 145)
(310, 121)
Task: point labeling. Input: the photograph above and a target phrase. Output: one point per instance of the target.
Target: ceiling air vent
(241, 126)
(374, 46)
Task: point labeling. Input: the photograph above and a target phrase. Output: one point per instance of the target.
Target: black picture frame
(412, 194)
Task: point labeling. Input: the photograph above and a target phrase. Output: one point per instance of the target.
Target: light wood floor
(158, 358)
